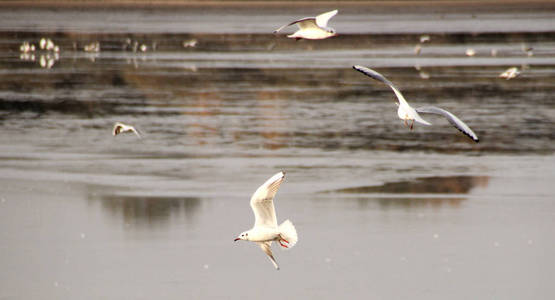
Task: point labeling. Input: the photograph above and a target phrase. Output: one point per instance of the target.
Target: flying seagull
(407, 113)
(510, 73)
(314, 28)
(265, 229)
(121, 128)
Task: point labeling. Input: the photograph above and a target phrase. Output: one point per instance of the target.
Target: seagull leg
(412, 124)
(406, 125)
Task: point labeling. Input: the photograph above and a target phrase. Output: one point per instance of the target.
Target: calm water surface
(381, 212)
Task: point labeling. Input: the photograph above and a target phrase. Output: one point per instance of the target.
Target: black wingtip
(477, 140)
(363, 70)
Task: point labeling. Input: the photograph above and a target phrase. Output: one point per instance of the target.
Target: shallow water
(381, 211)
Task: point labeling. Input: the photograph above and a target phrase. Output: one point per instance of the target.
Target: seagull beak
(235, 240)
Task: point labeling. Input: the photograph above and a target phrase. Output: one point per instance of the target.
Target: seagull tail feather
(289, 233)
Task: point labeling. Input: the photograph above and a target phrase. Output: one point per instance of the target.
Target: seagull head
(117, 129)
(243, 236)
(331, 31)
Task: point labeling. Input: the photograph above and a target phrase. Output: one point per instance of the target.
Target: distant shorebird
(26, 47)
(92, 47)
(192, 43)
(470, 52)
(48, 45)
(424, 39)
(510, 73)
(121, 128)
(266, 229)
(526, 49)
(314, 28)
(407, 113)
(417, 49)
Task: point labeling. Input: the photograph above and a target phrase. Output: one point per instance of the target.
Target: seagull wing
(265, 246)
(136, 132)
(460, 125)
(302, 23)
(262, 201)
(279, 29)
(120, 127)
(322, 20)
(307, 23)
(379, 77)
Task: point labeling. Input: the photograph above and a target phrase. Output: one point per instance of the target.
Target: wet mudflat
(381, 211)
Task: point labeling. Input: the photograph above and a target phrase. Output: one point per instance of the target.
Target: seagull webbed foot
(284, 240)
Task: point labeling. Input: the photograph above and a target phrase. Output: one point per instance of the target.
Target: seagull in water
(314, 28)
(266, 229)
(407, 113)
(121, 128)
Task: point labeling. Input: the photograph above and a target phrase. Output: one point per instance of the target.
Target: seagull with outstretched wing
(266, 229)
(121, 128)
(313, 28)
(407, 113)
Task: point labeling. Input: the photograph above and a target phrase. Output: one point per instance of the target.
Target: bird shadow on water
(421, 192)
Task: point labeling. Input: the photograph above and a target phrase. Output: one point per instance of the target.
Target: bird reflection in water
(148, 210)
(416, 192)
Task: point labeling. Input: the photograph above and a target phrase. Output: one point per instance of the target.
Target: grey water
(382, 212)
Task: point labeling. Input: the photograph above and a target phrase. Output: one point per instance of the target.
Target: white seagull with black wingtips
(266, 229)
(314, 28)
(121, 128)
(407, 113)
